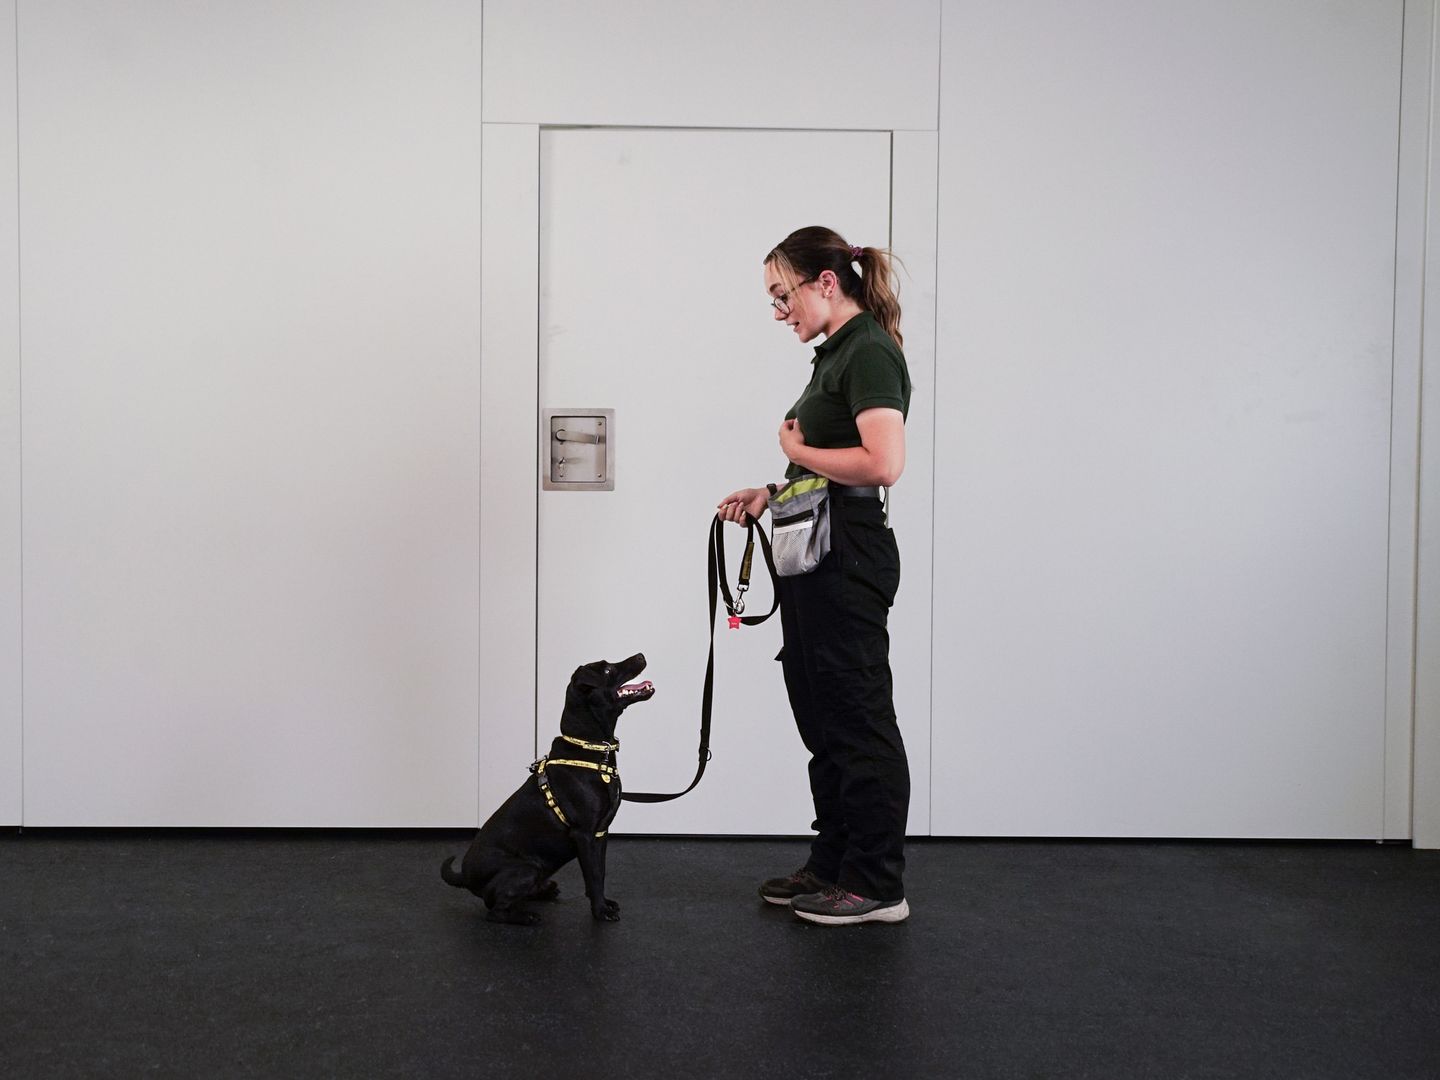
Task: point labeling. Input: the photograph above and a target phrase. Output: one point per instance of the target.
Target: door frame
(510, 411)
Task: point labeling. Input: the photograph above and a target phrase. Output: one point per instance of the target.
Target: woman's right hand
(737, 504)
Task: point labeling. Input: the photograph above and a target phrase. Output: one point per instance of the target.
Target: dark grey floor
(281, 955)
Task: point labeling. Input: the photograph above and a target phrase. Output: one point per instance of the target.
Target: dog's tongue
(636, 687)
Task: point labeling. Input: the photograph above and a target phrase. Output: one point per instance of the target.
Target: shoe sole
(786, 900)
(893, 914)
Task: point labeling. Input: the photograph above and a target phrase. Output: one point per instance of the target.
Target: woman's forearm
(853, 466)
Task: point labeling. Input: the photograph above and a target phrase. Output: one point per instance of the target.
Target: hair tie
(856, 251)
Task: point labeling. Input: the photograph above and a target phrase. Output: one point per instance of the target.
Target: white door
(652, 305)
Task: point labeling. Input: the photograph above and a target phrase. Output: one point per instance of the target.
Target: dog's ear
(592, 676)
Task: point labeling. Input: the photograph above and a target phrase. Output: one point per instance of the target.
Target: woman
(849, 426)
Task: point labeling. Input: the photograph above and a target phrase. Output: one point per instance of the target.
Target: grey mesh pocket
(800, 525)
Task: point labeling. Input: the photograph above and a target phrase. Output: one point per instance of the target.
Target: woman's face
(798, 308)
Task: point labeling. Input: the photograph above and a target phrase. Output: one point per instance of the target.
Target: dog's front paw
(548, 891)
(607, 911)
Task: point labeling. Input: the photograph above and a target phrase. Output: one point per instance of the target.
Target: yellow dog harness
(608, 772)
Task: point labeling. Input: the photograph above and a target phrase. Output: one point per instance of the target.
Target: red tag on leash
(734, 622)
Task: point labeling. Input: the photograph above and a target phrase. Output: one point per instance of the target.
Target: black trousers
(836, 661)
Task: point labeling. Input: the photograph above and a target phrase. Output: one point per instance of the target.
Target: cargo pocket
(851, 653)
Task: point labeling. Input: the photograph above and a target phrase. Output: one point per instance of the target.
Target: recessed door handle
(577, 437)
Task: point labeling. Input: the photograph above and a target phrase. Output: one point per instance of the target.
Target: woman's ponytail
(879, 289)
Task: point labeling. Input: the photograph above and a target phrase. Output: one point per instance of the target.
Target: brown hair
(807, 252)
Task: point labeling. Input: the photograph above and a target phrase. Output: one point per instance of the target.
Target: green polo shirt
(858, 367)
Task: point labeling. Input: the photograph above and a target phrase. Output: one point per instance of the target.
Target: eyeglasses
(781, 303)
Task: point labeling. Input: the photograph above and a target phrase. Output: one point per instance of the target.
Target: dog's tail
(450, 875)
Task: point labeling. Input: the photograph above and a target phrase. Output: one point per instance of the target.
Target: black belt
(855, 492)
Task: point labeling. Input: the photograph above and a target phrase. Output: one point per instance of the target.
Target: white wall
(1427, 624)
(1410, 217)
(509, 411)
(11, 740)
(746, 63)
(1170, 439)
(1167, 248)
(251, 311)
(912, 501)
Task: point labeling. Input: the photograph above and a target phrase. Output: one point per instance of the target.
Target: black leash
(736, 607)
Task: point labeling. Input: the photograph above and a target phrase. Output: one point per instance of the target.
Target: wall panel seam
(20, 422)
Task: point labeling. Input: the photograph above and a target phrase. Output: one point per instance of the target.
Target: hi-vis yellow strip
(598, 747)
(801, 486)
(605, 771)
(550, 802)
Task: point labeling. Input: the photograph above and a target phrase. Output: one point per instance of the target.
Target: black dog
(564, 811)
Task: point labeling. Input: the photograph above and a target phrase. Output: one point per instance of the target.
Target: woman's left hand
(792, 439)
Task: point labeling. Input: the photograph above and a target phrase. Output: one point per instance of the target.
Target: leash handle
(718, 588)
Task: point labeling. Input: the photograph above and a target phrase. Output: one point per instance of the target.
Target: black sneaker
(781, 890)
(836, 907)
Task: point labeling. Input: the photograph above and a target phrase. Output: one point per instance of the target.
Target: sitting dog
(564, 811)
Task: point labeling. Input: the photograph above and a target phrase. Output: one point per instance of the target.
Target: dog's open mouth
(632, 692)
